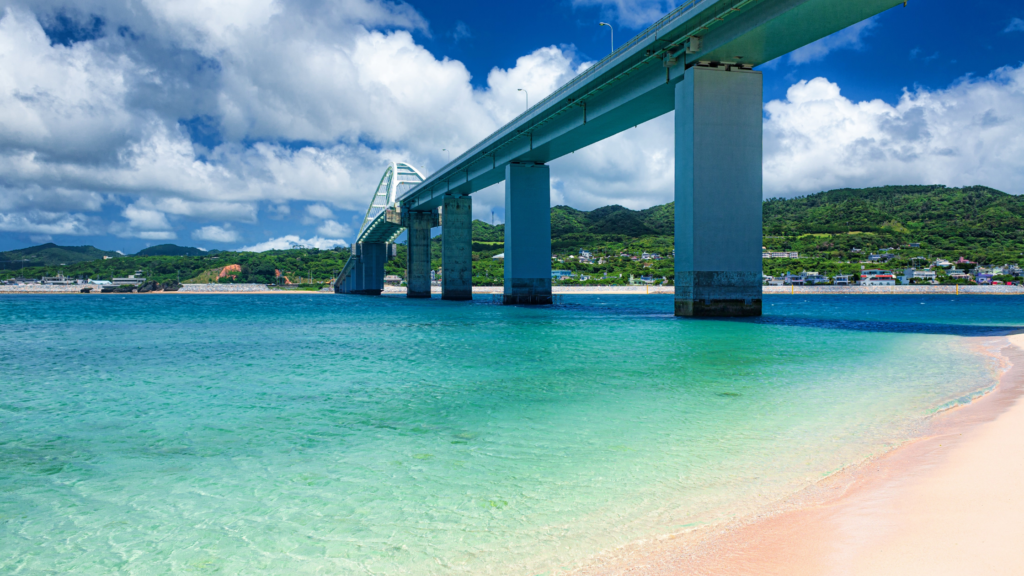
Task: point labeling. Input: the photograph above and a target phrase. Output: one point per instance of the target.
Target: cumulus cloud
(42, 222)
(850, 38)
(144, 218)
(319, 211)
(333, 228)
(185, 114)
(290, 241)
(216, 234)
(969, 133)
(153, 235)
(192, 115)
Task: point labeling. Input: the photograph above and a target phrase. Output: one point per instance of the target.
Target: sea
(336, 434)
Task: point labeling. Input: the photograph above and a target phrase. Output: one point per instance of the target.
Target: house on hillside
(887, 279)
(911, 274)
(131, 279)
(814, 278)
(793, 279)
(958, 275)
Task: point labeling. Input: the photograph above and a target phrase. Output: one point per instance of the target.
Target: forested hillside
(52, 255)
(832, 231)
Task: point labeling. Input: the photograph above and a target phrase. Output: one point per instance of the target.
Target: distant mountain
(53, 255)
(174, 250)
(608, 227)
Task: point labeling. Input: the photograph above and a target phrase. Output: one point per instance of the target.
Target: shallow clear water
(312, 434)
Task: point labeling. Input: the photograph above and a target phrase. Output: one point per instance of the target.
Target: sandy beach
(949, 503)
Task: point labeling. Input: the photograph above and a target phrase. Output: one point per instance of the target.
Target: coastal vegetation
(833, 233)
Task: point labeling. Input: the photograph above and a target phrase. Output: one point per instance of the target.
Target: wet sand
(951, 502)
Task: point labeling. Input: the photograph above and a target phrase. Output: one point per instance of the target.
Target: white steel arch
(398, 178)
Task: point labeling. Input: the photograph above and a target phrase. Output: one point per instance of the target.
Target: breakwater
(940, 289)
(221, 288)
(77, 288)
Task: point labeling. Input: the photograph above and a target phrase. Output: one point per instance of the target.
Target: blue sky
(258, 123)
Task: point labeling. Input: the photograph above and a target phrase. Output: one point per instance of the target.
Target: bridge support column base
(418, 260)
(367, 292)
(528, 291)
(457, 248)
(718, 308)
(718, 193)
(525, 300)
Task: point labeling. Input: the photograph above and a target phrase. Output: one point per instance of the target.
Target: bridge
(698, 60)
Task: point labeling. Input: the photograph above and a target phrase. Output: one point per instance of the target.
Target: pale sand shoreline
(949, 503)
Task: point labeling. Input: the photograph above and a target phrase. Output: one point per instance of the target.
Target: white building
(919, 275)
(814, 278)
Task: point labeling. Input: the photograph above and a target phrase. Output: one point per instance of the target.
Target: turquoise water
(312, 434)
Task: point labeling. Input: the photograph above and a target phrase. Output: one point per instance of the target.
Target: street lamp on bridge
(613, 33)
(523, 90)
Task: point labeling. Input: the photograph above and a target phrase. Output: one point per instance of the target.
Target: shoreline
(947, 502)
(916, 290)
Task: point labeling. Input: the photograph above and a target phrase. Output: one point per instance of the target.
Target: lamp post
(523, 90)
(613, 33)
(449, 153)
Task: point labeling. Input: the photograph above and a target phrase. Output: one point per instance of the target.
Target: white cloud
(40, 239)
(1016, 25)
(850, 38)
(333, 228)
(635, 168)
(97, 122)
(145, 219)
(155, 235)
(216, 234)
(319, 211)
(969, 133)
(278, 211)
(42, 222)
(286, 242)
(237, 211)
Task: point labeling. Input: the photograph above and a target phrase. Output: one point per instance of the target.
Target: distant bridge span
(698, 60)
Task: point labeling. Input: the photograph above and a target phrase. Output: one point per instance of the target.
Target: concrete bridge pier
(457, 248)
(369, 272)
(527, 234)
(417, 266)
(718, 193)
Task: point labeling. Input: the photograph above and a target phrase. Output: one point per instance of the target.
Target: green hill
(53, 255)
(610, 229)
(173, 250)
(975, 222)
(832, 231)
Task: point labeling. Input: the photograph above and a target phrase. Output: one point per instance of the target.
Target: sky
(258, 124)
